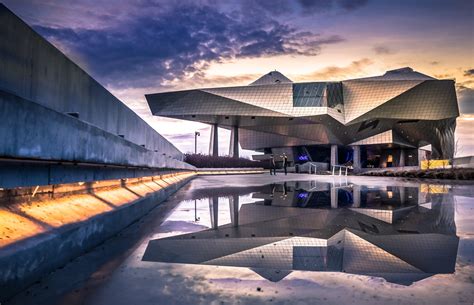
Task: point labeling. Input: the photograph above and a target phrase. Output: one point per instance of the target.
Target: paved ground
(114, 273)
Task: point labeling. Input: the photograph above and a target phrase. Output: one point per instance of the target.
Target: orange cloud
(355, 69)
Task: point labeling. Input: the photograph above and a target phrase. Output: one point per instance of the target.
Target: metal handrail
(340, 169)
(310, 168)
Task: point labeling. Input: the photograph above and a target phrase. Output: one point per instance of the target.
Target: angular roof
(405, 73)
(275, 112)
(271, 78)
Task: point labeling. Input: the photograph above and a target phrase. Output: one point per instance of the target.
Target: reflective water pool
(260, 239)
(402, 234)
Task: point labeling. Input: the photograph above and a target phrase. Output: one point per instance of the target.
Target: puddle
(401, 234)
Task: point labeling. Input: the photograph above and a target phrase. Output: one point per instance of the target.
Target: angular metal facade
(401, 108)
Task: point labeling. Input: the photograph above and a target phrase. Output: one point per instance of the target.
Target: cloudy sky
(137, 47)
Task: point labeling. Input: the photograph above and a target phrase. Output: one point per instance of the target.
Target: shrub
(458, 173)
(206, 161)
(449, 175)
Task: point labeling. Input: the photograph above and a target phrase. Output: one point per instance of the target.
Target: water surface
(401, 234)
(296, 239)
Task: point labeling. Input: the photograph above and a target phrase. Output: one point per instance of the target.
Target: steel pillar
(356, 158)
(234, 210)
(401, 161)
(333, 155)
(234, 142)
(214, 141)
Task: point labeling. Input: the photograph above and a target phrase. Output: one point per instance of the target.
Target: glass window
(319, 94)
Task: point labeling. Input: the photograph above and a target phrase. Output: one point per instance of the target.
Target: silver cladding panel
(413, 108)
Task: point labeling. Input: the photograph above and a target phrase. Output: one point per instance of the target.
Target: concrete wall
(32, 131)
(23, 174)
(467, 161)
(390, 169)
(41, 144)
(229, 171)
(32, 68)
(25, 261)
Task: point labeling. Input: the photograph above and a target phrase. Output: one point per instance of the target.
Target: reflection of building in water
(397, 233)
(387, 204)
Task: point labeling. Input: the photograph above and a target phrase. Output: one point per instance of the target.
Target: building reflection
(385, 203)
(402, 234)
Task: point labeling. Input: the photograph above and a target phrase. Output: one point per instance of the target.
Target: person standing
(285, 164)
(272, 166)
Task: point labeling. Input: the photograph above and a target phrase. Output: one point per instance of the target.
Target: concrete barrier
(466, 161)
(389, 169)
(229, 171)
(33, 69)
(34, 132)
(40, 235)
(30, 130)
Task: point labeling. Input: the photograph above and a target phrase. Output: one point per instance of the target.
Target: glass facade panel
(319, 94)
(334, 94)
(309, 95)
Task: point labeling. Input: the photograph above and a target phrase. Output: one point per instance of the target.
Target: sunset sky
(146, 46)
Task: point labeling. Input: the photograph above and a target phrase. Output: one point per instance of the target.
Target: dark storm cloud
(352, 4)
(147, 49)
(302, 7)
(315, 6)
(469, 72)
(273, 7)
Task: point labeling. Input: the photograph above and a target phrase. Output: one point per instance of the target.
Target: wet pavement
(295, 239)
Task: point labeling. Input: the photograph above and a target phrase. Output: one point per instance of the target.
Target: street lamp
(196, 134)
(196, 218)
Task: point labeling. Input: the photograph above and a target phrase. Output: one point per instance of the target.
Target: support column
(214, 209)
(401, 161)
(402, 194)
(421, 156)
(234, 142)
(334, 199)
(234, 210)
(333, 156)
(214, 141)
(422, 198)
(356, 196)
(356, 158)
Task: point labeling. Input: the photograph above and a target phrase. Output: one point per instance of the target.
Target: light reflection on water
(402, 234)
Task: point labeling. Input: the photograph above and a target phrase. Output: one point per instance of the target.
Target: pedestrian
(272, 166)
(285, 163)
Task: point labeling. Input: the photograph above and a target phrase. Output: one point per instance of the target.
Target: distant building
(377, 121)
